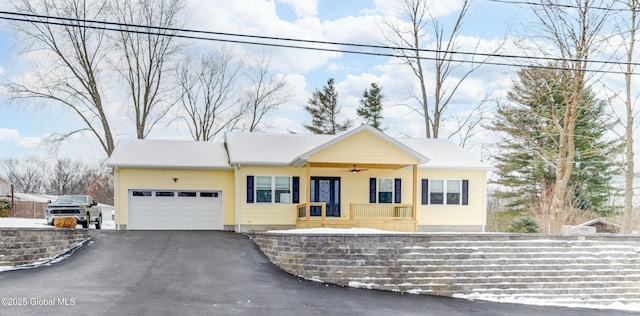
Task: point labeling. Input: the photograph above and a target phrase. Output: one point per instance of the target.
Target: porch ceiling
(357, 165)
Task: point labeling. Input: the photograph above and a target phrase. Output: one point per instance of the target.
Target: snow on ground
(11, 222)
(541, 302)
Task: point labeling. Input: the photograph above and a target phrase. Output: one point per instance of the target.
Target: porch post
(415, 192)
(308, 194)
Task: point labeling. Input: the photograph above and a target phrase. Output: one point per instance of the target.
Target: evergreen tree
(371, 106)
(324, 110)
(525, 167)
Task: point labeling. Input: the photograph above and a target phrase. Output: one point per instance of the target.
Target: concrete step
(513, 265)
(518, 248)
(571, 263)
(611, 256)
(525, 284)
(526, 243)
(606, 273)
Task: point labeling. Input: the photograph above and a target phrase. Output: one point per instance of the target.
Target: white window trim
(444, 192)
(273, 189)
(393, 190)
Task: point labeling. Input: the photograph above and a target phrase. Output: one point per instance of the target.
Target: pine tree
(324, 110)
(371, 106)
(525, 169)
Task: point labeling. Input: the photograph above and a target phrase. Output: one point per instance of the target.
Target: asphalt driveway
(208, 273)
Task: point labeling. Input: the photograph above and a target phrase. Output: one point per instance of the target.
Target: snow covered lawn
(10, 222)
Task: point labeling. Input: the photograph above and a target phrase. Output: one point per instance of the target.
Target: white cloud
(303, 7)
(259, 17)
(8, 134)
(437, 8)
(13, 137)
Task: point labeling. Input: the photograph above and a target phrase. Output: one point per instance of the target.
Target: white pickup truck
(82, 207)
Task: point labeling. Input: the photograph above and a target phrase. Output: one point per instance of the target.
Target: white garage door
(175, 210)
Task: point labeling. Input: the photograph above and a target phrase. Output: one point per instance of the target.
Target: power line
(139, 29)
(385, 47)
(570, 6)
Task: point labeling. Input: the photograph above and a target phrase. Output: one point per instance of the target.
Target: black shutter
(372, 190)
(425, 191)
(296, 190)
(397, 191)
(465, 192)
(249, 189)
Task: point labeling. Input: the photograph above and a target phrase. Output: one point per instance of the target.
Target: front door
(327, 190)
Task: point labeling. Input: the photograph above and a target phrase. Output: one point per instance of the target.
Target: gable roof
(175, 154)
(303, 158)
(599, 221)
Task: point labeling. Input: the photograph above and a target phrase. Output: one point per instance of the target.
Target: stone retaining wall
(21, 246)
(563, 268)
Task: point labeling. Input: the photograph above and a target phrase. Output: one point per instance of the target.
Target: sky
(488, 25)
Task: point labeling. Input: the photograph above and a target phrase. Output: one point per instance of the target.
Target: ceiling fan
(356, 170)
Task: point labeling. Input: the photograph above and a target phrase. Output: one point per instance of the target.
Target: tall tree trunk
(630, 166)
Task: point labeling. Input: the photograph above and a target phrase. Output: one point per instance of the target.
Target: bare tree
(629, 43)
(265, 94)
(411, 44)
(27, 174)
(146, 56)
(66, 177)
(98, 183)
(70, 60)
(207, 84)
(575, 32)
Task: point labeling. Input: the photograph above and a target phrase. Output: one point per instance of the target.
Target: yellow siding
(362, 148)
(217, 180)
(355, 189)
(472, 214)
(269, 213)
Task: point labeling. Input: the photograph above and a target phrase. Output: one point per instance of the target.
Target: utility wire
(140, 29)
(571, 6)
(397, 48)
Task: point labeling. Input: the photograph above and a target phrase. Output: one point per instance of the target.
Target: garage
(175, 210)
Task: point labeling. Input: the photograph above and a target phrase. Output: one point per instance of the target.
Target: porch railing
(397, 217)
(361, 211)
(302, 209)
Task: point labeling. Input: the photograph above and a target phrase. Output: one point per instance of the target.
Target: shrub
(5, 208)
(524, 225)
(65, 222)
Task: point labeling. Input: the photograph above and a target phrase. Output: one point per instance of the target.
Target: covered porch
(361, 179)
(336, 200)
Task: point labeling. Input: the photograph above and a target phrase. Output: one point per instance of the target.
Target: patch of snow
(357, 284)
(543, 302)
(13, 222)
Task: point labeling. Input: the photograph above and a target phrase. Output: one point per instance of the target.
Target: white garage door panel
(148, 209)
